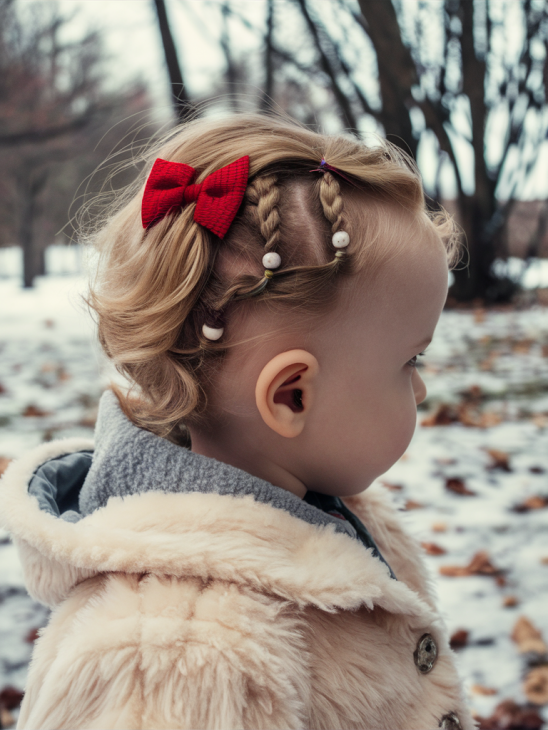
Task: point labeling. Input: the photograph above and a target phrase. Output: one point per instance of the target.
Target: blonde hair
(153, 288)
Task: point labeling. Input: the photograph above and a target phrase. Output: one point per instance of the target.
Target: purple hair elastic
(326, 167)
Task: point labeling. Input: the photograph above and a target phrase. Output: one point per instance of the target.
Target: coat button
(450, 722)
(426, 653)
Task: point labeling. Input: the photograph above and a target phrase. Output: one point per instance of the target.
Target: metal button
(450, 722)
(426, 653)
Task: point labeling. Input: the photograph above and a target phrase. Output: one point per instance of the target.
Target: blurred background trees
(56, 123)
(459, 84)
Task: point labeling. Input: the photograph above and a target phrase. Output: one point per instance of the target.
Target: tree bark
(31, 185)
(266, 98)
(397, 72)
(179, 97)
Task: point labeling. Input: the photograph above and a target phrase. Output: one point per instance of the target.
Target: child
(267, 292)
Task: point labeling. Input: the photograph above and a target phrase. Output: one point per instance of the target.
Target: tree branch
(325, 64)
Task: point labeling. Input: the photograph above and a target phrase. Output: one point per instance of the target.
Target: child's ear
(285, 391)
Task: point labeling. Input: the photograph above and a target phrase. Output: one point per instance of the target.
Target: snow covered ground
(475, 477)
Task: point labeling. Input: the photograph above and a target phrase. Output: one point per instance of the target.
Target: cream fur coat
(210, 611)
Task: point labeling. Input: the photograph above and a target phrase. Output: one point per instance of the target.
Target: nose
(419, 388)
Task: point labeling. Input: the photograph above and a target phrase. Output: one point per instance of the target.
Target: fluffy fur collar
(209, 535)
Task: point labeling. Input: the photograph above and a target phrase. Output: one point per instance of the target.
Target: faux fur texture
(202, 610)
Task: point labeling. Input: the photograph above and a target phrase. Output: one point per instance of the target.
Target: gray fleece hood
(128, 460)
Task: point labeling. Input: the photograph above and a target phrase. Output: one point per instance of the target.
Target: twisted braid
(264, 193)
(331, 200)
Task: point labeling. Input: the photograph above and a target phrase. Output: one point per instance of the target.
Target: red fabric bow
(217, 198)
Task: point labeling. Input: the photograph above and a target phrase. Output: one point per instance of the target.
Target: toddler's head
(313, 382)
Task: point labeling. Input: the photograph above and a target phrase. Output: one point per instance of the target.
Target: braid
(331, 200)
(264, 193)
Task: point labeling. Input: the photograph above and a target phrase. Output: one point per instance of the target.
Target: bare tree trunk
(266, 98)
(231, 71)
(478, 210)
(397, 73)
(179, 96)
(30, 186)
(326, 66)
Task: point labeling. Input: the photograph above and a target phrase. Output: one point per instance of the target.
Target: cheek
(391, 418)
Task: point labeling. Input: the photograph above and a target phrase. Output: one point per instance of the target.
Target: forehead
(407, 291)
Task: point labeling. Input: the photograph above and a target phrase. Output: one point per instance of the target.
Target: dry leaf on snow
(508, 715)
(439, 527)
(456, 485)
(528, 637)
(459, 639)
(432, 548)
(3, 464)
(535, 502)
(411, 504)
(479, 565)
(535, 685)
(479, 689)
(500, 460)
(32, 411)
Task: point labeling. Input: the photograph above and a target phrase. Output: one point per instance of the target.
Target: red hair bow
(217, 198)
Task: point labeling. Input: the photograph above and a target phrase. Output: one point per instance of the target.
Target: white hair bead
(212, 333)
(341, 239)
(272, 260)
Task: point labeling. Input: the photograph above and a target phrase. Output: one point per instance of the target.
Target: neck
(259, 464)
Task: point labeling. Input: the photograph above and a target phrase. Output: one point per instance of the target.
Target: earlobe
(285, 391)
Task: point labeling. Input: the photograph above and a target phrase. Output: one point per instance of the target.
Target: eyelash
(414, 363)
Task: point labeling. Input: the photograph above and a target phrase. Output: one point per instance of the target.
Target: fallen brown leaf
(489, 418)
(456, 485)
(10, 698)
(442, 416)
(479, 689)
(459, 639)
(410, 504)
(544, 561)
(537, 469)
(535, 685)
(32, 635)
(527, 636)
(522, 347)
(479, 565)
(433, 548)
(32, 411)
(500, 460)
(7, 720)
(3, 464)
(510, 601)
(392, 487)
(508, 715)
(535, 502)
(439, 527)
